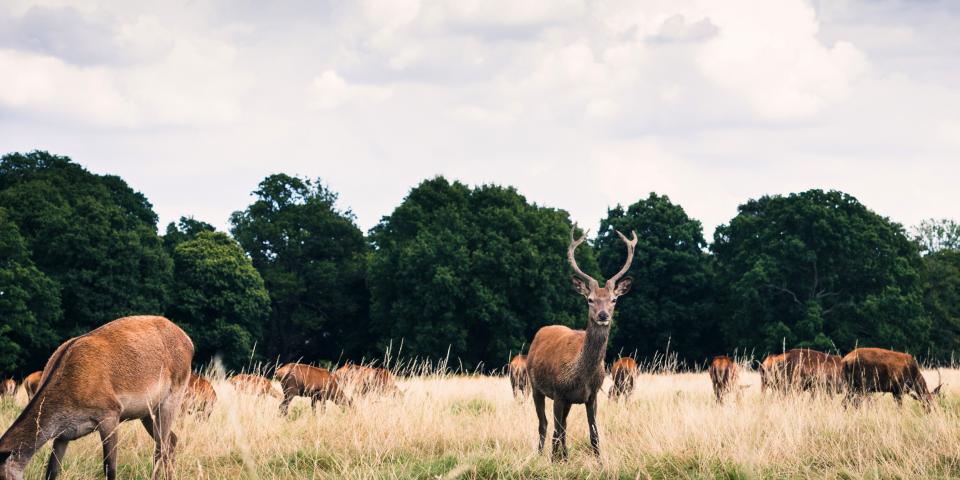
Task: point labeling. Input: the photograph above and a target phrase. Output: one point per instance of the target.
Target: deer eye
(613, 300)
(589, 300)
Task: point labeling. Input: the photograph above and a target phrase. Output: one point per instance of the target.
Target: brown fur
(876, 370)
(253, 385)
(362, 380)
(723, 375)
(130, 368)
(200, 396)
(8, 387)
(803, 369)
(307, 381)
(567, 365)
(624, 373)
(519, 377)
(771, 373)
(32, 382)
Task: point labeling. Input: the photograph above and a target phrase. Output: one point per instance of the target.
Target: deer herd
(139, 368)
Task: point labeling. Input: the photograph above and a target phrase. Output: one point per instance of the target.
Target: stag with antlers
(567, 365)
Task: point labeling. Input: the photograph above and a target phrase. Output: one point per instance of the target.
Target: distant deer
(867, 370)
(200, 396)
(307, 381)
(253, 385)
(567, 365)
(8, 387)
(623, 372)
(362, 380)
(803, 369)
(130, 368)
(519, 378)
(31, 383)
(723, 375)
(771, 372)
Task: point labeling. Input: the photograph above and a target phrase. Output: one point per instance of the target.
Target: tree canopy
(671, 296)
(91, 234)
(312, 258)
(475, 270)
(818, 269)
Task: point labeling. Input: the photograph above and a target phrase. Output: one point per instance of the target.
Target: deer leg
(592, 423)
(560, 411)
(285, 404)
(56, 458)
(166, 440)
(539, 405)
(108, 436)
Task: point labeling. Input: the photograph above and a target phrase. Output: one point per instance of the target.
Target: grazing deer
(130, 368)
(876, 370)
(307, 381)
(31, 383)
(771, 374)
(567, 365)
(253, 385)
(200, 396)
(624, 372)
(8, 387)
(519, 378)
(808, 370)
(723, 375)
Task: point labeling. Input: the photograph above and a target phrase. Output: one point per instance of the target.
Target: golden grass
(447, 426)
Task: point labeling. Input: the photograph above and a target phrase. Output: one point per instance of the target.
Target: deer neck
(594, 349)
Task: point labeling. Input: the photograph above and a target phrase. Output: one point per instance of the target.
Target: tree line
(471, 272)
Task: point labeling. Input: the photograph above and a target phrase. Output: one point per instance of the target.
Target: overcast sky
(580, 105)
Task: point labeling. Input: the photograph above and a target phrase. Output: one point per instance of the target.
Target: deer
(723, 375)
(568, 365)
(200, 396)
(31, 383)
(624, 373)
(877, 370)
(307, 381)
(808, 370)
(519, 378)
(363, 380)
(771, 375)
(253, 385)
(8, 387)
(130, 368)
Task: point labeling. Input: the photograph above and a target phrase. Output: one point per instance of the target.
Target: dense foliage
(312, 258)
(669, 303)
(818, 269)
(218, 298)
(475, 270)
(92, 235)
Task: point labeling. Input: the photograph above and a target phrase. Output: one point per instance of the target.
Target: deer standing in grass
(567, 365)
(31, 383)
(723, 375)
(130, 368)
(876, 370)
(519, 378)
(624, 373)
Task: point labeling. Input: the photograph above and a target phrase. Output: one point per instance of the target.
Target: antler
(574, 243)
(626, 266)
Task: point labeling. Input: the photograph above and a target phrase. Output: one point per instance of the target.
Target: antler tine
(631, 244)
(574, 243)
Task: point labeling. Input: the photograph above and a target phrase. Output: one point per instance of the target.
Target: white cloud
(329, 91)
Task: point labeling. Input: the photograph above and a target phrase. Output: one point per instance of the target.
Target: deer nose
(602, 316)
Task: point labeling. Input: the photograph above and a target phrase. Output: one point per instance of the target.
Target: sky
(580, 105)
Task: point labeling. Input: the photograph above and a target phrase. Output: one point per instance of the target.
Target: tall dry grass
(469, 426)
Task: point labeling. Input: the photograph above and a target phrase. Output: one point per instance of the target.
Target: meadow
(470, 426)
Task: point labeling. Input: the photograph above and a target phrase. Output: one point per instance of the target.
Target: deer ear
(3, 457)
(623, 286)
(579, 286)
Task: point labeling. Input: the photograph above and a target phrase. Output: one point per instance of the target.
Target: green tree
(941, 301)
(186, 229)
(935, 235)
(312, 258)
(477, 271)
(818, 269)
(29, 304)
(671, 297)
(92, 234)
(218, 297)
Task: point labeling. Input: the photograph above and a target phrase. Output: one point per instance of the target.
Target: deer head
(601, 300)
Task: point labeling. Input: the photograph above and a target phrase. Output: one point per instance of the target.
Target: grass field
(456, 426)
